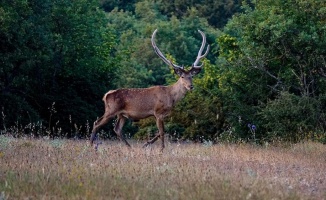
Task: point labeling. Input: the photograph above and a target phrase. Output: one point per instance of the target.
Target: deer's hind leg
(118, 129)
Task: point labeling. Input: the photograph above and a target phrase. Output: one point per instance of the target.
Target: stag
(157, 101)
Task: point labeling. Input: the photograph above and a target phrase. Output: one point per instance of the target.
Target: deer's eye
(182, 76)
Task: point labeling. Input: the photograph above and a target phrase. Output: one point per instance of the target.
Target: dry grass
(66, 169)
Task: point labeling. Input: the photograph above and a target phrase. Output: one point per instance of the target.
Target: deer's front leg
(98, 124)
(152, 140)
(160, 126)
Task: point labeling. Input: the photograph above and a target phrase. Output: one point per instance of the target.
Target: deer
(156, 101)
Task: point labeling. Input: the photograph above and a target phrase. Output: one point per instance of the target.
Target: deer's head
(185, 75)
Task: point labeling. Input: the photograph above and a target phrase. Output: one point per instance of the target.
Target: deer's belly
(136, 115)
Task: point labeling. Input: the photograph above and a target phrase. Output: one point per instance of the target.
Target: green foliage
(126, 5)
(228, 47)
(138, 65)
(200, 113)
(216, 12)
(53, 51)
(267, 68)
(272, 69)
(291, 117)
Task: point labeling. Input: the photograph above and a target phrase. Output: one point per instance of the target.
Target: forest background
(264, 79)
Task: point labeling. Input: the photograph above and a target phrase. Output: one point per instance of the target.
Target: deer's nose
(191, 87)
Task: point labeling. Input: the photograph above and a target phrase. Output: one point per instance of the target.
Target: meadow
(71, 169)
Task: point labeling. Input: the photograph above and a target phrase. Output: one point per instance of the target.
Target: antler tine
(199, 56)
(160, 54)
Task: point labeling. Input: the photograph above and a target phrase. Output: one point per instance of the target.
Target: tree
(217, 13)
(273, 58)
(125, 5)
(200, 114)
(139, 66)
(55, 57)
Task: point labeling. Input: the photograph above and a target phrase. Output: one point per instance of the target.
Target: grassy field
(68, 169)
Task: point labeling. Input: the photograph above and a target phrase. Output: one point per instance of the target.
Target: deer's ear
(178, 71)
(195, 71)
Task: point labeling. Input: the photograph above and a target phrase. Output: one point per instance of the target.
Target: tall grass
(70, 169)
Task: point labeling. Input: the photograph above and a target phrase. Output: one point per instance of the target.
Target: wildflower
(252, 127)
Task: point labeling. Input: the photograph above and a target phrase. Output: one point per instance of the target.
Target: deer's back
(138, 103)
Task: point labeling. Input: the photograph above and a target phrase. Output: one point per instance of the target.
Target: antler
(200, 56)
(160, 54)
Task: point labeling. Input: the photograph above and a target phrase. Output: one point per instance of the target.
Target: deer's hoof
(146, 145)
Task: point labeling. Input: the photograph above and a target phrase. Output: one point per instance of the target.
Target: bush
(291, 117)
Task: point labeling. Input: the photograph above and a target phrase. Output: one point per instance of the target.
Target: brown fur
(157, 101)
(140, 103)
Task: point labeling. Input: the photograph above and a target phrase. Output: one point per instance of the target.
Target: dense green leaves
(216, 12)
(277, 51)
(52, 51)
(264, 78)
(138, 65)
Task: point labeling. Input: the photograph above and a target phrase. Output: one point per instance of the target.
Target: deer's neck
(178, 91)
